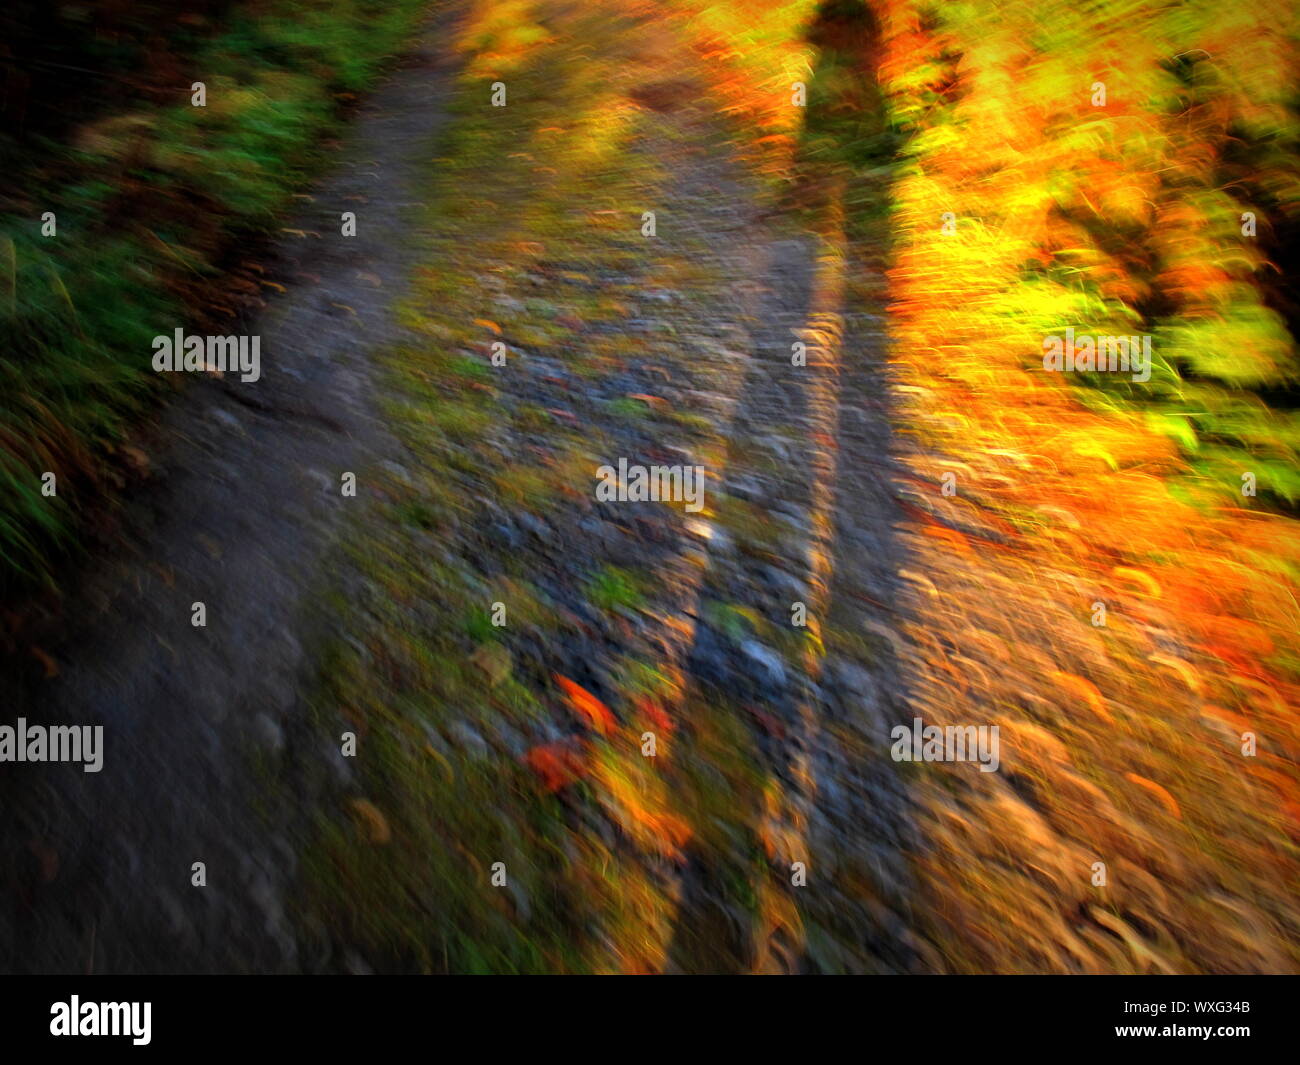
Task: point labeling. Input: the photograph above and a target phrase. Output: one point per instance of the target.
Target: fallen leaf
(137, 458)
(1159, 792)
(1087, 691)
(595, 713)
(372, 821)
(51, 667)
(657, 402)
(1137, 576)
(654, 713)
(558, 765)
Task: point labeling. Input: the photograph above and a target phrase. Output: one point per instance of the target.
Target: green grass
(157, 198)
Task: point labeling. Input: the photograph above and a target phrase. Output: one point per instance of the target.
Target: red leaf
(595, 714)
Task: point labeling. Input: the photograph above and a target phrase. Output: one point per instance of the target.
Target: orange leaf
(1159, 792)
(595, 713)
(1087, 691)
(952, 536)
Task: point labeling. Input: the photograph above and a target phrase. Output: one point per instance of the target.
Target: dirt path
(666, 348)
(521, 742)
(244, 500)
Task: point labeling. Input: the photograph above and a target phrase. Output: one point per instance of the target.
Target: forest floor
(474, 717)
(327, 612)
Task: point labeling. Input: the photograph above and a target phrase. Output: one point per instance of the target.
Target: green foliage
(614, 588)
(78, 310)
